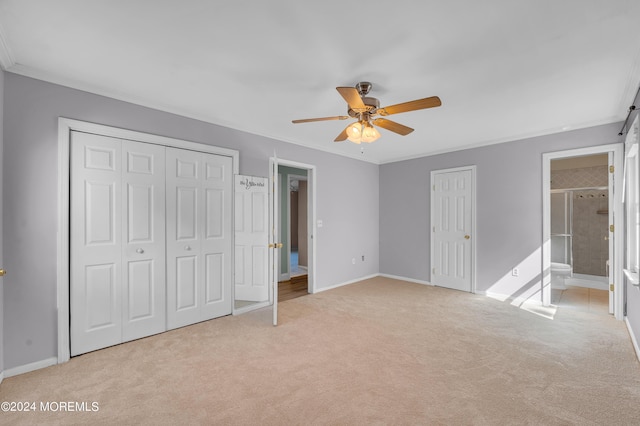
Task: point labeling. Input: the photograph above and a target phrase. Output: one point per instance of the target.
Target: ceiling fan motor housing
(371, 105)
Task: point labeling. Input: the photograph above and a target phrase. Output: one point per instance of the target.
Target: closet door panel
(198, 236)
(144, 283)
(96, 259)
(217, 187)
(185, 286)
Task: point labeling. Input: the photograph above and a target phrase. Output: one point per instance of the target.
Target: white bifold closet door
(118, 285)
(151, 240)
(199, 241)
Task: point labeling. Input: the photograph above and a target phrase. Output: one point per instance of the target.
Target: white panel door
(451, 229)
(198, 236)
(117, 241)
(217, 236)
(96, 236)
(184, 209)
(143, 240)
(251, 239)
(274, 245)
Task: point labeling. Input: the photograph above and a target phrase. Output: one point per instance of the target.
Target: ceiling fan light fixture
(354, 132)
(369, 133)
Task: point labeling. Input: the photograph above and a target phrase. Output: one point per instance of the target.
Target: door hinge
(611, 228)
(612, 169)
(434, 187)
(433, 271)
(610, 287)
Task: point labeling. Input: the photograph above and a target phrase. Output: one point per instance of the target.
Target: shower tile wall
(590, 232)
(590, 228)
(585, 177)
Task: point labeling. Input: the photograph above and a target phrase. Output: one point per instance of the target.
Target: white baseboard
(21, 369)
(1, 376)
(411, 280)
(318, 290)
(633, 338)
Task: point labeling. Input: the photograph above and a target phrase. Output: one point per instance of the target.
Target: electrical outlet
(515, 272)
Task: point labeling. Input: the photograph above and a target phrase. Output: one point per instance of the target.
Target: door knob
(466, 237)
(3, 272)
(276, 245)
(187, 247)
(140, 251)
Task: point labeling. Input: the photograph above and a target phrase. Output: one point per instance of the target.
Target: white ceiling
(504, 69)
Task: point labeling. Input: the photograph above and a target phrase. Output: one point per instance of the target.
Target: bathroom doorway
(298, 218)
(581, 204)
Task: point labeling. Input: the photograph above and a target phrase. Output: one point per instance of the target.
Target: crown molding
(6, 56)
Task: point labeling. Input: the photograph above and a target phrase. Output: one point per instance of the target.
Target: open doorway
(581, 202)
(293, 275)
(298, 251)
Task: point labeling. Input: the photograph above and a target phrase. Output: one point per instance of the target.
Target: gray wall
(509, 208)
(32, 108)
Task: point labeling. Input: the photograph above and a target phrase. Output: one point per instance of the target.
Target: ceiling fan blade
(431, 102)
(351, 95)
(309, 120)
(393, 126)
(342, 136)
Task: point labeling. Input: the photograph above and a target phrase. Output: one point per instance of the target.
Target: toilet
(559, 272)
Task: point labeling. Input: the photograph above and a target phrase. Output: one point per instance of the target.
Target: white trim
(617, 149)
(411, 280)
(65, 127)
(633, 338)
(346, 283)
(26, 368)
(473, 232)
(508, 139)
(26, 71)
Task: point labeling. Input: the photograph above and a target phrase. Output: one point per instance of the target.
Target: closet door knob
(466, 237)
(140, 251)
(187, 247)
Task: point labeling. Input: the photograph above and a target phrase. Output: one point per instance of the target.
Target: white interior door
(143, 240)
(117, 241)
(452, 233)
(274, 263)
(251, 238)
(96, 242)
(217, 236)
(198, 237)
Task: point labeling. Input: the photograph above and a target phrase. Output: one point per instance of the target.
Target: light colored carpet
(376, 352)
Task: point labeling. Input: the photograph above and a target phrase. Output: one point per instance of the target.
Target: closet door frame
(65, 127)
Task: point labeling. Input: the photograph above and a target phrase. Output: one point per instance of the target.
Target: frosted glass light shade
(369, 133)
(354, 132)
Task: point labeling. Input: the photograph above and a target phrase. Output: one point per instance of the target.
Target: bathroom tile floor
(582, 299)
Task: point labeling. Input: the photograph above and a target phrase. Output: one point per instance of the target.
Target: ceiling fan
(365, 108)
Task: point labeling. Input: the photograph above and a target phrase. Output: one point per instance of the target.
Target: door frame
(473, 232)
(65, 127)
(312, 178)
(615, 217)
